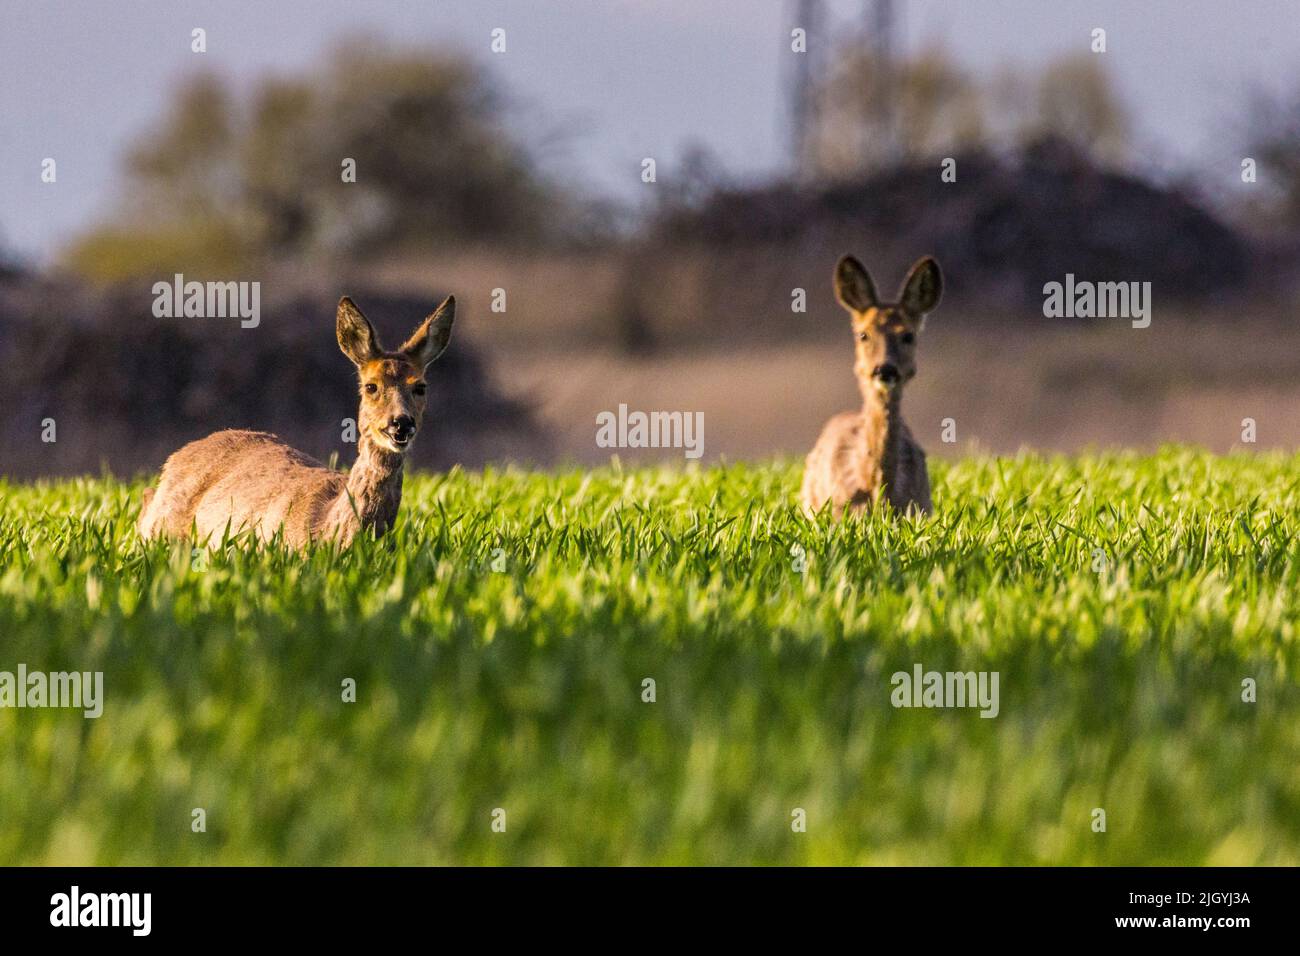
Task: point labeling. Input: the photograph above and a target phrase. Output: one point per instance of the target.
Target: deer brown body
(249, 481)
(868, 458)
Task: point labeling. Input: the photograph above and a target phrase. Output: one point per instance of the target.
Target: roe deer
(252, 481)
(865, 458)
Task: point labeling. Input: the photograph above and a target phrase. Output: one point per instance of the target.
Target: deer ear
(922, 289)
(853, 286)
(356, 335)
(431, 338)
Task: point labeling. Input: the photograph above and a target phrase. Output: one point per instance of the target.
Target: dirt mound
(1002, 229)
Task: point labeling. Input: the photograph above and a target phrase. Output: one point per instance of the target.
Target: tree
(936, 109)
(1076, 102)
(183, 170)
(222, 180)
(1273, 132)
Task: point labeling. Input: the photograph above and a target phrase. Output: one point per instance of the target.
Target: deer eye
(908, 338)
(419, 389)
(371, 388)
(862, 336)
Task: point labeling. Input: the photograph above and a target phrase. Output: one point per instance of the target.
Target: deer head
(885, 333)
(392, 383)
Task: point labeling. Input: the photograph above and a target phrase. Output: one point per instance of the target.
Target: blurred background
(625, 198)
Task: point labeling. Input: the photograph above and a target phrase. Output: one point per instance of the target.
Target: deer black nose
(887, 373)
(402, 423)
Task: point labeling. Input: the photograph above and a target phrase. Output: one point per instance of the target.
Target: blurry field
(1194, 380)
(521, 688)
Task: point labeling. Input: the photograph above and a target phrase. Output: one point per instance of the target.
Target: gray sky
(627, 78)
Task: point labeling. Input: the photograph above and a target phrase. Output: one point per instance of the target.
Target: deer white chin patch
(387, 444)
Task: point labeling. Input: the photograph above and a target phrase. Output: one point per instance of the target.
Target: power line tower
(881, 23)
(805, 81)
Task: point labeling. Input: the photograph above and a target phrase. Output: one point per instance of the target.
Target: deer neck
(883, 438)
(375, 485)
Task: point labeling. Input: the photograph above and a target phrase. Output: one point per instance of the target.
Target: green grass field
(521, 688)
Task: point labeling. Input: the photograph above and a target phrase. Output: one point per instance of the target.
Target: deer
(869, 459)
(238, 481)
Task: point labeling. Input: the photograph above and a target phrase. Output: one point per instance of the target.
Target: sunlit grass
(521, 688)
